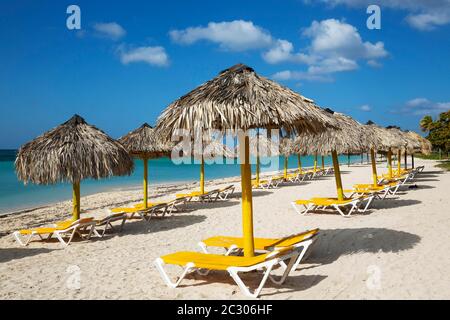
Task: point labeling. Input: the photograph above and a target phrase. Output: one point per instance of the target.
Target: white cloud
(282, 51)
(428, 21)
(111, 30)
(422, 14)
(365, 108)
(334, 38)
(335, 46)
(374, 63)
(237, 35)
(423, 106)
(156, 56)
(332, 65)
(299, 75)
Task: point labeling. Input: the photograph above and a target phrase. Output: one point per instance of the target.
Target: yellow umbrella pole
(257, 170)
(202, 176)
(389, 161)
(374, 167)
(299, 160)
(315, 162)
(145, 183)
(247, 206)
(323, 163)
(406, 159)
(399, 162)
(76, 201)
(337, 174)
(285, 167)
(412, 160)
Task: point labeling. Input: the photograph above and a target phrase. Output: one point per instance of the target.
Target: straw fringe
(145, 142)
(238, 98)
(72, 152)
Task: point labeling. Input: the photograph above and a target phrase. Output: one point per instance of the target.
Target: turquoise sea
(15, 196)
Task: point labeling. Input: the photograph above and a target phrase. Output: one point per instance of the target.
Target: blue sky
(132, 58)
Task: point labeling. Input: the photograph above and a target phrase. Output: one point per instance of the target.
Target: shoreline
(16, 211)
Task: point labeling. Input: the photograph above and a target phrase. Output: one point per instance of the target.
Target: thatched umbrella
(209, 149)
(144, 143)
(387, 140)
(350, 137)
(262, 145)
(420, 144)
(402, 136)
(286, 149)
(412, 145)
(240, 99)
(72, 152)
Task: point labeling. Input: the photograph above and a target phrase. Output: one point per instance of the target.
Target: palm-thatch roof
(145, 142)
(71, 152)
(264, 146)
(386, 138)
(401, 136)
(421, 144)
(210, 149)
(350, 138)
(261, 145)
(287, 147)
(238, 98)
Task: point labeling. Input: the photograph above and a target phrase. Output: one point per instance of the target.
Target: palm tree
(426, 124)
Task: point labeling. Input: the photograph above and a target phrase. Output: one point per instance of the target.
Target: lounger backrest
(279, 252)
(226, 188)
(295, 238)
(80, 221)
(158, 206)
(111, 216)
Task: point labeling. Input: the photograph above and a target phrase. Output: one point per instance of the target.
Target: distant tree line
(438, 131)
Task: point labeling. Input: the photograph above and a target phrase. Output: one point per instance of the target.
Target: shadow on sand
(334, 243)
(9, 254)
(159, 224)
(394, 203)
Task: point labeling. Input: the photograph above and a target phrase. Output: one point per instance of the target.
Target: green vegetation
(438, 131)
(432, 156)
(444, 165)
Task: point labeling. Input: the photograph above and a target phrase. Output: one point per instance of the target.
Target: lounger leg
(292, 263)
(245, 290)
(19, 240)
(304, 247)
(159, 263)
(336, 207)
(305, 211)
(395, 189)
(95, 232)
(61, 240)
(369, 201)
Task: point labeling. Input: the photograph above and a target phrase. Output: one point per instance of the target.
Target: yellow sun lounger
(192, 194)
(226, 192)
(344, 207)
(380, 191)
(235, 245)
(207, 196)
(159, 210)
(203, 263)
(107, 221)
(60, 230)
(271, 182)
(136, 208)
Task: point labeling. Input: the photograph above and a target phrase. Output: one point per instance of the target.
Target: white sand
(399, 250)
